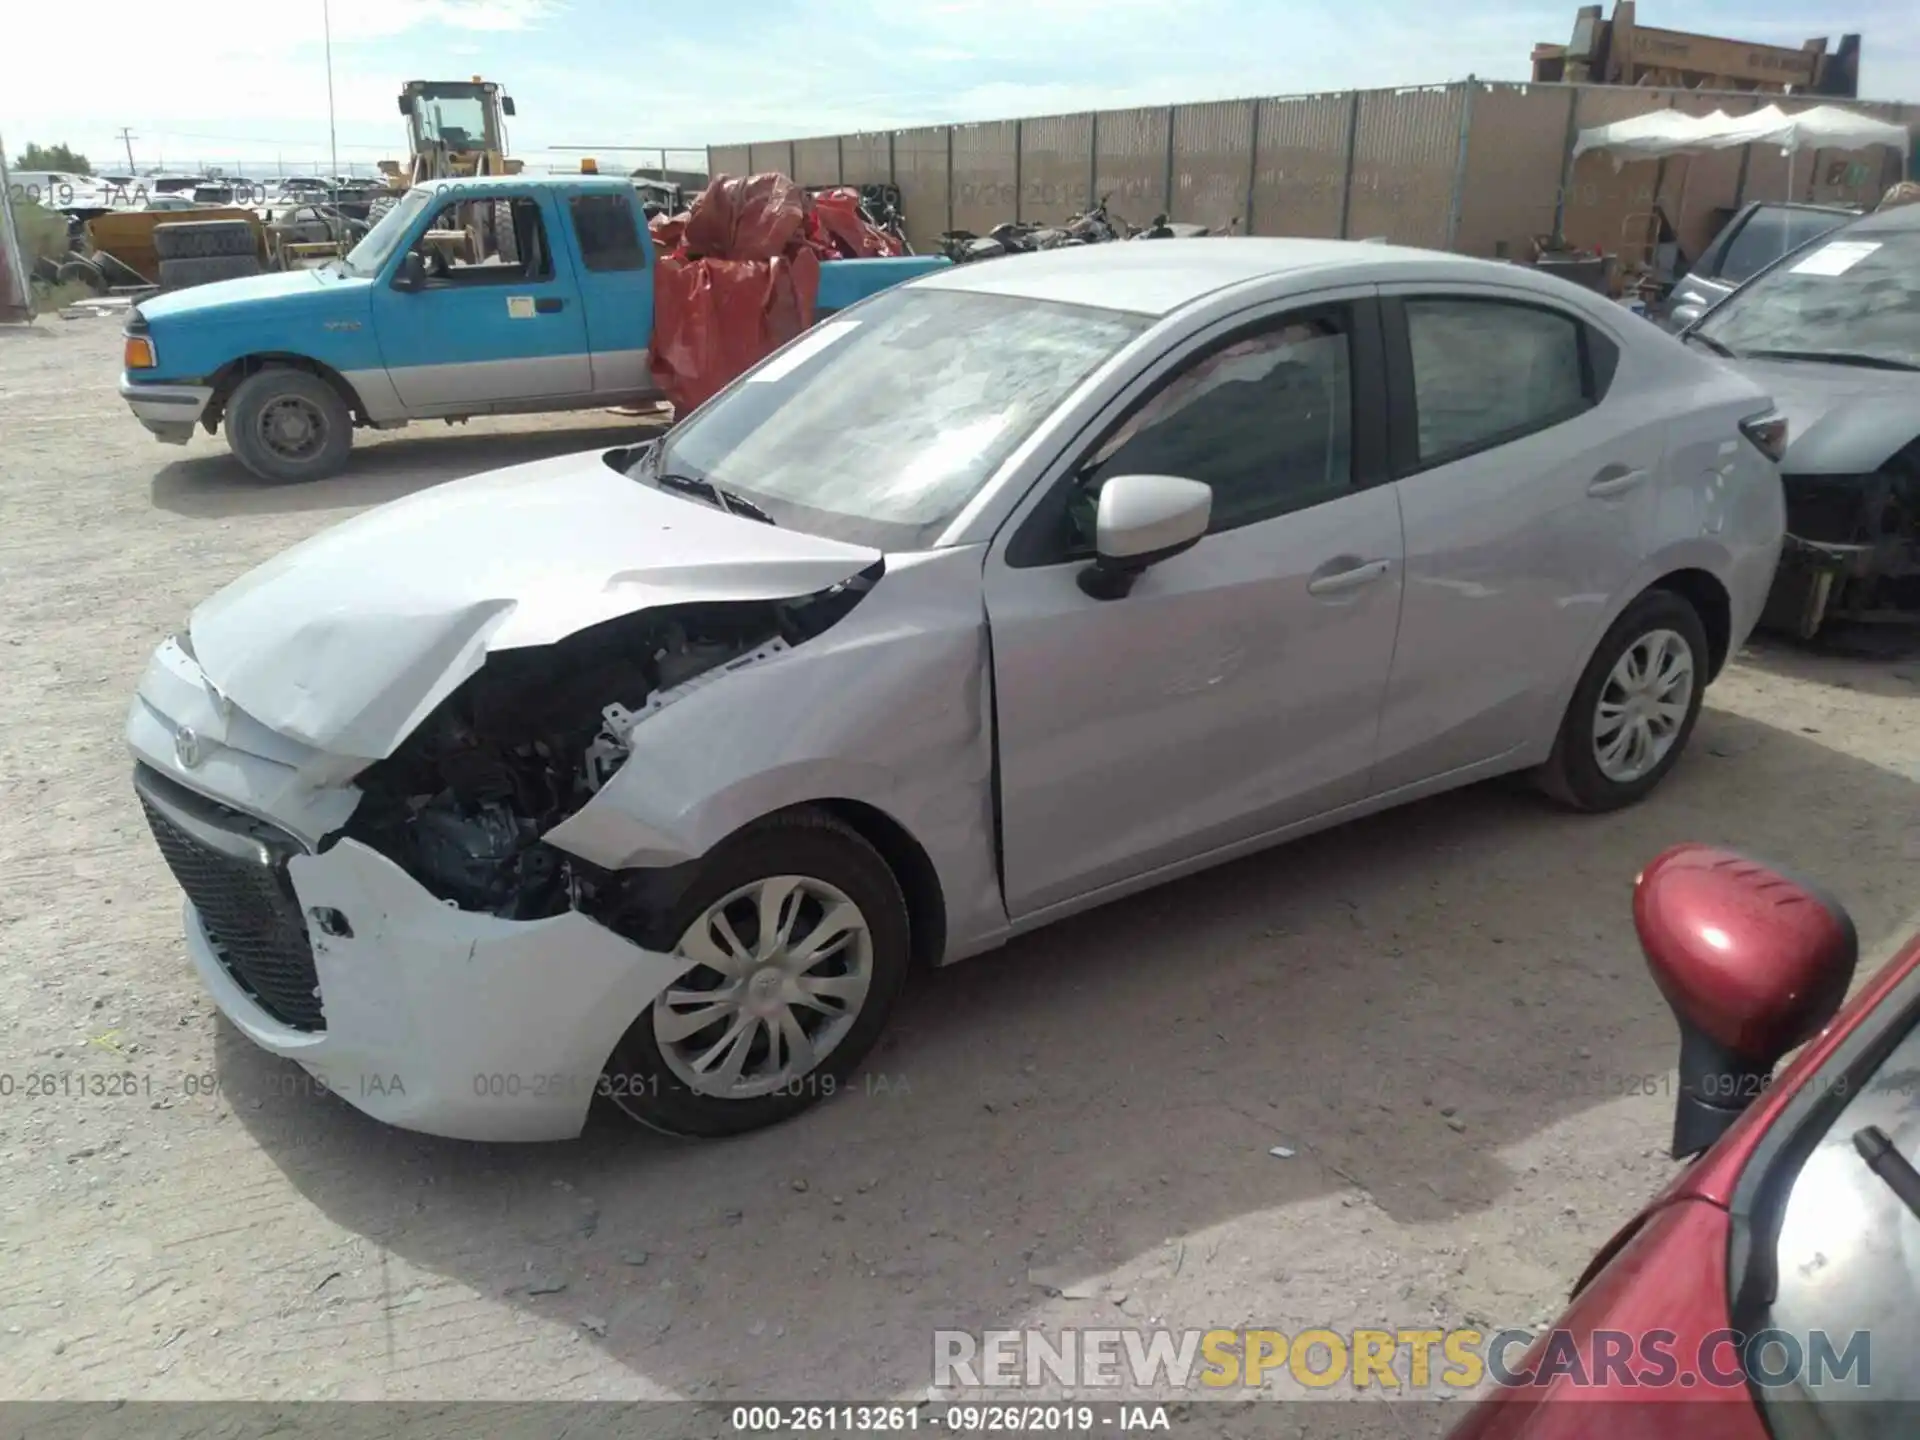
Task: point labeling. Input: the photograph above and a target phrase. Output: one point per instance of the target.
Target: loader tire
(81, 271)
(506, 244)
(204, 239)
(180, 274)
(378, 208)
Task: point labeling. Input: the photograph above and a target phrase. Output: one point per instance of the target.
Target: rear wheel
(799, 939)
(286, 425)
(1634, 708)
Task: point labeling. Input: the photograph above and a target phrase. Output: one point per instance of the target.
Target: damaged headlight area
(529, 739)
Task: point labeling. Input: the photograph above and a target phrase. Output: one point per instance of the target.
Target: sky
(246, 82)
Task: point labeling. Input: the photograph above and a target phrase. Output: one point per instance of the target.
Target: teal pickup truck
(443, 311)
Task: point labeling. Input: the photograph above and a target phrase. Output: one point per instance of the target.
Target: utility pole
(333, 146)
(127, 137)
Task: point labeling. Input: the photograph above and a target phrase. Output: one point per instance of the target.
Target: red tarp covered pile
(738, 274)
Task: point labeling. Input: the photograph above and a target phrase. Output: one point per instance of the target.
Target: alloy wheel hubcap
(781, 969)
(1642, 706)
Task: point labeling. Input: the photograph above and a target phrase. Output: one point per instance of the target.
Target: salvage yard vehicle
(418, 322)
(1795, 1219)
(1833, 333)
(1015, 589)
(1758, 235)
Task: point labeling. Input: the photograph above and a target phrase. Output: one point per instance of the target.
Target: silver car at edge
(650, 774)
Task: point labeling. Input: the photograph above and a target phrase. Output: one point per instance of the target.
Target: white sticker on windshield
(802, 350)
(1837, 258)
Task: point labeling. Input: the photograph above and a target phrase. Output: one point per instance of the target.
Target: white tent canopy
(1671, 132)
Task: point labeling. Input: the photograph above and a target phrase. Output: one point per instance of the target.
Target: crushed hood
(349, 639)
(1841, 419)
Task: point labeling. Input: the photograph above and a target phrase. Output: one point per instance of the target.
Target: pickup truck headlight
(139, 354)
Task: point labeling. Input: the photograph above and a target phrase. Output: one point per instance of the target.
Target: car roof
(1900, 217)
(1157, 277)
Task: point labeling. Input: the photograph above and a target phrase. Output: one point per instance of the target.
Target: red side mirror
(1752, 961)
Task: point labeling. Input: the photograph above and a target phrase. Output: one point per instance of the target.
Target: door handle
(549, 305)
(1351, 579)
(1615, 480)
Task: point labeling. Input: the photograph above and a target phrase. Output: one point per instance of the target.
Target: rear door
(616, 290)
(484, 333)
(1528, 488)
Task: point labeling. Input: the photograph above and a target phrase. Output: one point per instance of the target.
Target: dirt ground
(1441, 1012)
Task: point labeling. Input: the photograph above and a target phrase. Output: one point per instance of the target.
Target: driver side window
(486, 242)
(1264, 418)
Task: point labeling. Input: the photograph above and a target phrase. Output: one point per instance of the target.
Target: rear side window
(609, 236)
(1488, 371)
(1769, 234)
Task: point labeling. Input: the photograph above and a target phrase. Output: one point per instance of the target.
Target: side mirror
(1142, 520)
(405, 109)
(412, 273)
(1751, 961)
(506, 106)
(1683, 316)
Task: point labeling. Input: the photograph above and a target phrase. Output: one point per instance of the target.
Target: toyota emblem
(186, 747)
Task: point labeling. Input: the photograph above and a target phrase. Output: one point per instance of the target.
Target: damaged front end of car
(466, 801)
(1852, 549)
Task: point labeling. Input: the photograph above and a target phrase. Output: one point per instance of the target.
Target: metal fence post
(1019, 156)
(1093, 161)
(1458, 196)
(840, 159)
(793, 160)
(1559, 236)
(893, 175)
(1253, 166)
(1172, 111)
(949, 177)
(1346, 173)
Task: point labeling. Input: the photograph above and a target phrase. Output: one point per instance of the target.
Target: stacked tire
(196, 252)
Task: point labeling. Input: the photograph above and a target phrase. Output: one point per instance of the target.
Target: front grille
(246, 905)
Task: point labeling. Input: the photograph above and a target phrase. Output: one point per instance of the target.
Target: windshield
(880, 427)
(457, 121)
(1857, 295)
(376, 247)
(1848, 1263)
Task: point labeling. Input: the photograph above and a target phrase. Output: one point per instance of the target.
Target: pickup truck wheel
(285, 425)
(801, 938)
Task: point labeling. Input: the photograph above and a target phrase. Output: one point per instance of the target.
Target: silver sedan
(651, 774)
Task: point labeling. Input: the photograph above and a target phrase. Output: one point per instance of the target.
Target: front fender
(892, 708)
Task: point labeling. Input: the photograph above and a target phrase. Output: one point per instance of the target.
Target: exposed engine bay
(529, 739)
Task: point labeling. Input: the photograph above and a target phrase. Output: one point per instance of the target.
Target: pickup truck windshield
(376, 247)
(879, 428)
(1855, 297)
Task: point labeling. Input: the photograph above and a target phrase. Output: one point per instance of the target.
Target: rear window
(609, 235)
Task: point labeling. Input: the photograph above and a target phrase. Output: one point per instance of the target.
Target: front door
(1530, 488)
(1237, 688)
(485, 331)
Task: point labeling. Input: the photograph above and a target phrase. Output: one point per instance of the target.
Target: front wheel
(288, 425)
(1634, 707)
(799, 939)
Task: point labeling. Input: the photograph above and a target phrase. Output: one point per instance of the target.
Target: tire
(1798, 600)
(204, 239)
(264, 417)
(1573, 774)
(647, 1078)
(81, 271)
(506, 243)
(378, 207)
(181, 274)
